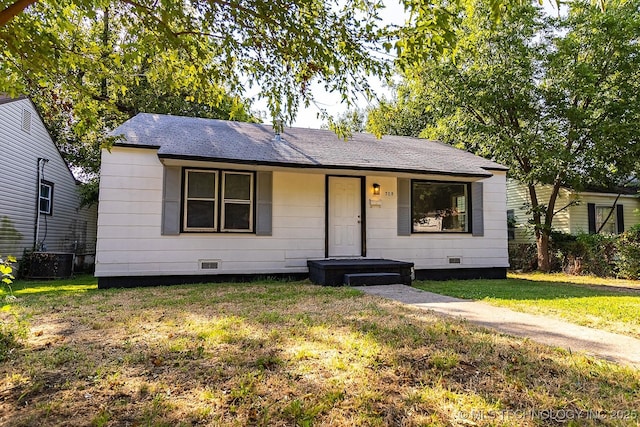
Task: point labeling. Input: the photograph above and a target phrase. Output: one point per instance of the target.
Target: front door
(344, 217)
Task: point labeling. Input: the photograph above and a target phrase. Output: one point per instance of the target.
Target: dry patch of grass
(288, 354)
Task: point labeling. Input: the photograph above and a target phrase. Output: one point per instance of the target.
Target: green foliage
(595, 254)
(175, 53)
(522, 257)
(347, 123)
(11, 332)
(555, 99)
(6, 271)
(628, 253)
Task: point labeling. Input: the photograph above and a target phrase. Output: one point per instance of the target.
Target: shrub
(11, 333)
(583, 253)
(598, 253)
(628, 253)
(6, 271)
(523, 256)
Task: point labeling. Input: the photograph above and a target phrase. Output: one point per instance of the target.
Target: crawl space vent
(209, 264)
(455, 260)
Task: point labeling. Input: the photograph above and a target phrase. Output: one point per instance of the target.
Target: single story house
(39, 199)
(191, 200)
(578, 211)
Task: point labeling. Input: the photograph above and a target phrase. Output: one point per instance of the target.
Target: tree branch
(572, 203)
(14, 9)
(613, 206)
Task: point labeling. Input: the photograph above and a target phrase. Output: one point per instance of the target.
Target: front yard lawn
(583, 300)
(284, 354)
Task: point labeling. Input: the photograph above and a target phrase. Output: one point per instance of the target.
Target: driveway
(546, 330)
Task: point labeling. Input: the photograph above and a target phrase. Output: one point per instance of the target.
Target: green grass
(283, 354)
(75, 285)
(584, 301)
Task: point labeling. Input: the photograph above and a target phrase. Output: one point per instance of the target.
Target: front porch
(360, 271)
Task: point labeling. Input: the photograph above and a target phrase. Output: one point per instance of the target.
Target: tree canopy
(90, 65)
(553, 98)
(208, 48)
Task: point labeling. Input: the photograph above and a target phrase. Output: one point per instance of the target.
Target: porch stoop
(361, 271)
(359, 279)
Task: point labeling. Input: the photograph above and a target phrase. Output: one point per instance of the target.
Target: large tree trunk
(542, 243)
(542, 220)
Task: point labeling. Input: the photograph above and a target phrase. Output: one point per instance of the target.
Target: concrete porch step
(360, 279)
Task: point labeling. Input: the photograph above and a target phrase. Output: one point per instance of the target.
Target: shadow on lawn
(291, 354)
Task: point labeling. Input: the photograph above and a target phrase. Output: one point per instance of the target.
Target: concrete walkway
(546, 330)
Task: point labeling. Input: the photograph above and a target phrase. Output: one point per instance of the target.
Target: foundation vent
(454, 260)
(209, 264)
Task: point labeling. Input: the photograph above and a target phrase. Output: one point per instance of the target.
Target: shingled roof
(256, 144)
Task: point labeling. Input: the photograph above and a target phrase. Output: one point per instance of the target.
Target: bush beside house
(604, 255)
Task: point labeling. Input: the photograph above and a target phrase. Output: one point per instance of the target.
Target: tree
(206, 47)
(348, 122)
(108, 84)
(90, 65)
(555, 99)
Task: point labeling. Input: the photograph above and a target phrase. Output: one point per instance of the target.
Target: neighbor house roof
(249, 143)
(5, 99)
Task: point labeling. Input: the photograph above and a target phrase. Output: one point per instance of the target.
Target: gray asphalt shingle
(248, 143)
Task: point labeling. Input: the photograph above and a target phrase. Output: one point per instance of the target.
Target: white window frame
(249, 202)
(613, 219)
(214, 199)
(49, 199)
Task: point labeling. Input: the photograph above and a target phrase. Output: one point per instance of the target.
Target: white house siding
(433, 251)
(129, 221)
(130, 241)
(19, 153)
(579, 215)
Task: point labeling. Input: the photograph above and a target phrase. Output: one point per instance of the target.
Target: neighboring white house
(188, 199)
(39, 202)
(577, 212)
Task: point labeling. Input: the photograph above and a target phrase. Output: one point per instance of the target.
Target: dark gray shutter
(264, 201)
(171, 192)
(477, 209)
(620, 218)
(591, 217)
(404, 207)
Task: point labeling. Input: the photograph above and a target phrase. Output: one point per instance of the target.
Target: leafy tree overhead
(555, 99)
(207, 48)
(90, 65)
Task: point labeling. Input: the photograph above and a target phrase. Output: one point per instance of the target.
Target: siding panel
(130, 240)
(68, 228)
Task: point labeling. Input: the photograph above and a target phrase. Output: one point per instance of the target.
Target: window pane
(439, 207)
(201, 185)
(236, 216)
(44, 206)
(45, 190)
(237, 186)
(200, 214)
(601, 215)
